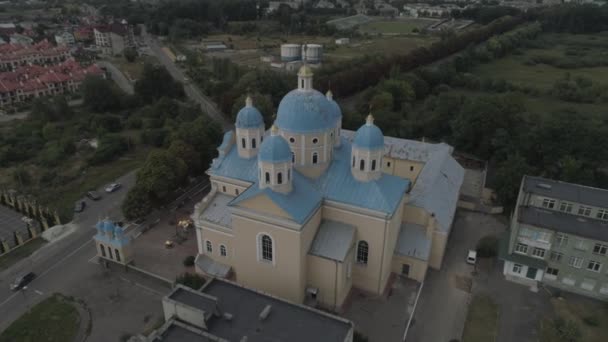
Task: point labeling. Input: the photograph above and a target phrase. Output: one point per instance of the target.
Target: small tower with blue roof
(249, 130)
(112, 243)
(367, 152)
(274, 163)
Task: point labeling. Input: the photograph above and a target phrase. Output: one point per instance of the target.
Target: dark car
(21, 282)
(94, 195)
(79, 206)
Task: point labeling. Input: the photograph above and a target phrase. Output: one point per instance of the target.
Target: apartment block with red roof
(13, 56)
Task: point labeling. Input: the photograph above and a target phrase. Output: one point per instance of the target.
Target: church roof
(274, 149)
(305, 111)
(413, 242)
(369, 136)
(249, 117)
(333, 240)
(300, 203)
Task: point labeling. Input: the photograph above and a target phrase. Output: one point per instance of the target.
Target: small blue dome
(274, 149)
(118, 231)
(249, 117)
(369, 136)
(99, 225)
(108, 226)
(304, 111)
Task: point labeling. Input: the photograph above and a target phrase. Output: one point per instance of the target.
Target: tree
(509, 174)
(99, 95)
(161, 174)
(156, 82)
(130, 54)
(137, 204)
(188, 154)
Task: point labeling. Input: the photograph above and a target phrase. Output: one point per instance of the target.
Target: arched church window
(243, 143)
(362, 164)
(117, 253)
(266, 248)
(362, 252)
(267, 177)
(293, 157)
(374, 165)
(253, 143)
(209, 246)
(279, 178)
(102, 248)
(315, 158)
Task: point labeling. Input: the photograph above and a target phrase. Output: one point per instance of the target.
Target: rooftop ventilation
(544, 186)
(227, 316)
(580, 219)
(265, 312)
(243, 339)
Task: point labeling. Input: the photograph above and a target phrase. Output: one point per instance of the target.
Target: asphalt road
(59, 265)
(117, 76)
(191, 90)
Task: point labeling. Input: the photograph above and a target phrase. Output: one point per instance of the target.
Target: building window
(388, 164)
(236, 192)
(362, 164)
(315, 158)
(292, 140)
(588, 284)
(253, 143)
(209, 246)
(556, 256)
(604, 289)
(117, 254)
(552, 271)
(110, 252)
(302, 84)
(585, 211)
(575, 262)
(561, 240)
(315, 140)
(293, 157)
(594, 266)
(580, 244)
(521, 248)
(102, 248)
(565, 207)
(374, 165)
(517, 268)
(600, 249)
(538, 252)
(548, 203)
(569, 280)
(362, 252)
(411, 168)
(267, 178)
(266, 248)
(602, 214)
(223, 251)
(279, 178)
(243, 142)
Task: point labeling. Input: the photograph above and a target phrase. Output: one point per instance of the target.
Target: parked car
(472, 257)
(113, 187)
(94, 195)
(21, 282)
(79, 206)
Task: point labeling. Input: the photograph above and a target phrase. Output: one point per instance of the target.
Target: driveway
(442, 307)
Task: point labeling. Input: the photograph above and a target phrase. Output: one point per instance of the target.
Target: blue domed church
(308, 211)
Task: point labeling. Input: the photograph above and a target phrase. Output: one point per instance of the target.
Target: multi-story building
(65, 38)
(112, 39)
(559, 236)
(41, 53)
(309, 211)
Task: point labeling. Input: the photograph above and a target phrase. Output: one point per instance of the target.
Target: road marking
(96, 261)
(142, 286)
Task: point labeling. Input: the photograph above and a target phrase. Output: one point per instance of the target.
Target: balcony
(534, 243)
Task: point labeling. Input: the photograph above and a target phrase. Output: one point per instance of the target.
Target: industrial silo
(313, 53)
(290, 52)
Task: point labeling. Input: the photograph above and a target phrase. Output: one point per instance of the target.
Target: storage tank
(290, 52)
(313, 53)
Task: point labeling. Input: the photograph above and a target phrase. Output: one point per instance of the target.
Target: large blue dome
(304, 111)
(369, 136)
(249, 117)
(336, 112)
(274, 149)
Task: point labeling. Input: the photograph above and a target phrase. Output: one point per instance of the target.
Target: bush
(487, 247)
(591, 321)
(359, 337)
(191, 280)
(189, 261)
(110, 148)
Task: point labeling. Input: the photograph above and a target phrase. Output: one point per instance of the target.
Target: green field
(380, 45)
(52, 320)
(481, 320)
(562, 48)
(397, 26)
(591, 318)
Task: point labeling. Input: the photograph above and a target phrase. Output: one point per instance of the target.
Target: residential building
(113, 38)
(41, 53)
(225, 311)
(20, 39)
(27, 82)
(84, 34)
(309, 211)
(559, 237)
(429, 11)
(65, 38)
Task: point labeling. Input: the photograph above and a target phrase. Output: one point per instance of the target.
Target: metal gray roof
(566, 191)
(11, 221)
(413, 242)
(217, 211)
(211, 267)
(563, 222)
(176, 331)
(333, 240)
(286, 321)
(195, 300)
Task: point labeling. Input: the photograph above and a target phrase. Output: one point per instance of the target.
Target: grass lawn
(399, 26)
(481, 321)
(52, 320)
(24, 251)
(132, 70)
(380, 45)
(577, 309)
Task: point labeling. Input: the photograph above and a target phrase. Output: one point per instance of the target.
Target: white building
(65, 38)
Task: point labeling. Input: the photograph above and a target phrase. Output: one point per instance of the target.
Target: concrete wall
(187, 314)
(418, 267)
(438, 244)
(323, 274)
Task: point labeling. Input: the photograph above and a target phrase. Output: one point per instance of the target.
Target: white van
(472, 257)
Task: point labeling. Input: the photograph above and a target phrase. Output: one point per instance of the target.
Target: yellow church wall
(418, 267)
(407, 169)
(440, 240)
(391, 241)
(372, 230)
(345, 282)
(322, 274)
(228, 188)
(217, 238)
